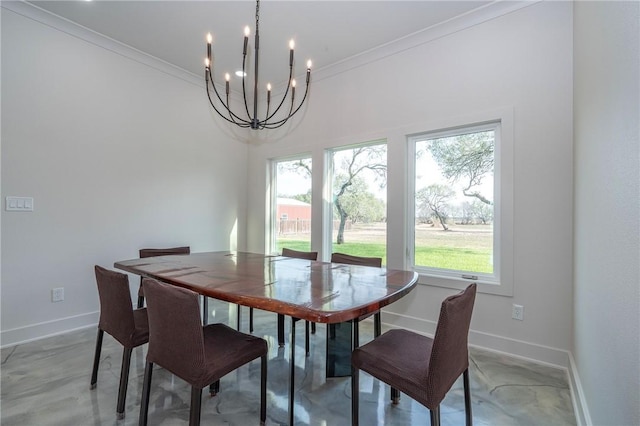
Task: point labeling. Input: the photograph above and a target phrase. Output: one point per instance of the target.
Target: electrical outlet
(57, 294)
(518, 312)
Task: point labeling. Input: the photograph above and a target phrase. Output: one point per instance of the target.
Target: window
(456, 226)
(291, 204)
(358, 200)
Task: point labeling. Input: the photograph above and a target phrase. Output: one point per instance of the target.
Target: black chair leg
(239, 318)
(250, 320)
(140, 298)
(292, 369)
(96, 359)
(146, 393)
(205, 310)
(214, 388)
(435, 416)
(196, 401)
(281, 330)
(395, 396)
(467, 399)
(355, 396)
(124, 382)
(306, 337)
(377, 325)
(313, 328)
(263, 389)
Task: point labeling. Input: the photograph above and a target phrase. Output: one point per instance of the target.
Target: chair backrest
(310, 255)
(449, 353)
(176, 340)
(356, 260)
(152, 252)
(116, 311)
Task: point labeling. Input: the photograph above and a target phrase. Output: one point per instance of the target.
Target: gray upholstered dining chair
(118, 318)
(198, 355)
(349, 259)
(152, 252)
(422, 367)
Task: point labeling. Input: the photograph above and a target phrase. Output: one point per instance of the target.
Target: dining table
(322, 292)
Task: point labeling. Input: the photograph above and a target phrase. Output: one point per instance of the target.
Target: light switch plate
(19, 204)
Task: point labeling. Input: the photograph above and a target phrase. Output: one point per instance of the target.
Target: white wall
(521, 61)
(607, 210)
(118, 156)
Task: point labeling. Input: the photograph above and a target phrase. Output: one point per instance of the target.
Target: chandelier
(270, 118)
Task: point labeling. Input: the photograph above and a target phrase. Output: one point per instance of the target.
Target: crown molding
(470, 19)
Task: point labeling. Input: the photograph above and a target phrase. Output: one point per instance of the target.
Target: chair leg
(355, 395)
(140, 298)
(468, 417)
(205, 310)
(146, 393)
(239, 317)
(313, 328)
(281, 330)
(395, 396)
(292, 369)
(306, 337)
(435, 416)
(196, 401)
(214, 388)
(377, 325)
(250, 320)
(263, 389)
(96, 359)
(124, 382)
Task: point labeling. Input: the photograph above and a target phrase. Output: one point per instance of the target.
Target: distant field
(464, 247)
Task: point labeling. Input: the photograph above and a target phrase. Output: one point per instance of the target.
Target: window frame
(272, 199)
(327, 193)
(501, 281)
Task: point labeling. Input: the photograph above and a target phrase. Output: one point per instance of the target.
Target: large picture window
(291, 204)
(358, 200)
(456, 210)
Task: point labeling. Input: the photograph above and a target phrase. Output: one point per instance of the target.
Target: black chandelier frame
(252, 121)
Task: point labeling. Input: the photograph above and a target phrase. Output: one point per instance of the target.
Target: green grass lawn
(477, 260)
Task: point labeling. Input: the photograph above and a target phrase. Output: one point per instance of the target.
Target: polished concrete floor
(47, 383)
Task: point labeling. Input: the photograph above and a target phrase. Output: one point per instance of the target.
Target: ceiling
(327, 32)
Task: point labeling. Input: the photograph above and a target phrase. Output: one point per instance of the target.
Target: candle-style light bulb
(292, 44)
(227, 77)
(207, 62)
(268, 92)
(293, 90)
(247, 31)
(293, 83)
(209, 41)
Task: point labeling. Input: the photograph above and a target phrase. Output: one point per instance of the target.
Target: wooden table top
(315, 291)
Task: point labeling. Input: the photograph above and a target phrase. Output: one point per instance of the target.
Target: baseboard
(518, 348)
(42, 330)
(583, 418)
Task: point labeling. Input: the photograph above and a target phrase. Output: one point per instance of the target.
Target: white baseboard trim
(581, 409)
(537, 353)
(46, 329)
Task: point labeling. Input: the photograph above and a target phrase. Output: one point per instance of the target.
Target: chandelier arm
(286, 92)
(276, 124)
(216, 109)
(226, 106)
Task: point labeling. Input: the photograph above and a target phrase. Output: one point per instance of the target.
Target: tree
(433, 200)
(363, 159)
(466, 159)
(360, 204)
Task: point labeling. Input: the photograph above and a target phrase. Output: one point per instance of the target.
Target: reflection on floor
(47, 383)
